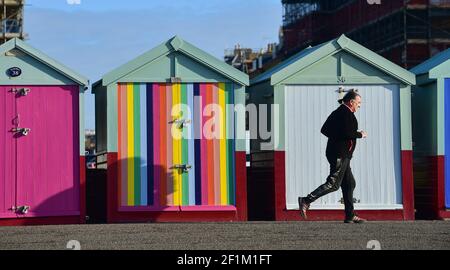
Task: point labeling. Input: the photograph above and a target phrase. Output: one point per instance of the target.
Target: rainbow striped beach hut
(168, 124)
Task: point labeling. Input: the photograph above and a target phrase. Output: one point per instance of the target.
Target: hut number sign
(14, 72)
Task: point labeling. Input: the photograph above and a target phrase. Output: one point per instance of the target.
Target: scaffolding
(405, 31)
(11, 18)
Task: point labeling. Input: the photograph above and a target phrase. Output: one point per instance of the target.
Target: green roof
(177, 44)
(312, 55)
(432, 63)
(43, 58)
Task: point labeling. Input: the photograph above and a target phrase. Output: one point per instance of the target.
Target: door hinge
(183, 168)
(21, 91)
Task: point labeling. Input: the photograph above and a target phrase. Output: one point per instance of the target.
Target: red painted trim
(408, 185)
(437, 176)
(114, 215)
(82, 189)
(280, 184)
(40, 221)
(338, 215)
(440, 189)
(281, 214)
(444, 214)
(241, 185)
(111, 187)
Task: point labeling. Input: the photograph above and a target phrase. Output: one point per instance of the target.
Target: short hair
(351, 95)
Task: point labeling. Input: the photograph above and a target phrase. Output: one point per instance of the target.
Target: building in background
(250, 60)
(11, 20)
(406, 32)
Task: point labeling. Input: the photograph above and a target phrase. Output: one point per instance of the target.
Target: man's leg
(348, 186)
(337, 172)
(334, 180)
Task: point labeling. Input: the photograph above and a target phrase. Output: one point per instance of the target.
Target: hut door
(47, 151)
(7, 152)
(376, 164)
(165, 160)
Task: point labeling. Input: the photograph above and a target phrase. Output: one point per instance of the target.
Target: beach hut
(154, 120)
(41, 138)
(431, 136)
(303, 91)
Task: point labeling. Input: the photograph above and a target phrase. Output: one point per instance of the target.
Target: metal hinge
(22, 210)
(354, 200)
(183, 168)
(181, 123)
(21, 91)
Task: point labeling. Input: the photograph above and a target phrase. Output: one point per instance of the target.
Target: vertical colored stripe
(146, 164)
(210, 150)
(197, 152)
(204, 147)
(137, 143)
(164, 169)
(121, 96)
(169, 141)
(184, 146)
(155, 131)
(233, 152)
(130, 121)
(124, 148)
(216, 142)
(176, 134)
(191, 145)
(223, 146)
(230, 150)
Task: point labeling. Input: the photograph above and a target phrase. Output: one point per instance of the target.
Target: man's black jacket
(341, 128)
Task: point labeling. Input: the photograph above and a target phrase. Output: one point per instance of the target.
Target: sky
(94, 37)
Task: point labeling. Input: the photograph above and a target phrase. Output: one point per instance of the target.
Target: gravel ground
(231, 236)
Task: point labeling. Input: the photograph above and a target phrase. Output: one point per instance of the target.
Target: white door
(376, 164)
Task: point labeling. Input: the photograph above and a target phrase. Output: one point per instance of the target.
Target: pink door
(48, 156)
(7, 153)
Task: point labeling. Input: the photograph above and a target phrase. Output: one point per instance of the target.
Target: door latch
(21, 91)
(22, 131)
(183, 168)
(22, 210)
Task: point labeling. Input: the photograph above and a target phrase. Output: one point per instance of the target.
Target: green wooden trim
(295, 68)
(112, 130)
(41, 57)
(161, 80)
(279, 132)
(405, 118)
(377, 60)
(440, 107)
(310, 56)
(239, 99)
(176, 44)
(81, 106)
(336, 80)
(431, 64)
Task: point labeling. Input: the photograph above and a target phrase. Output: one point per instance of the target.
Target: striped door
(7, 152)
(167, 157)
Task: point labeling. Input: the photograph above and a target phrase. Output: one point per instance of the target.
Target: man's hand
(363, 133)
